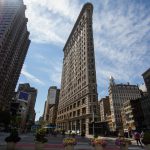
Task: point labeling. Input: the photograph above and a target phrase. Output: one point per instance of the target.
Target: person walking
(63, 133)
(137, 137)
(142, 135)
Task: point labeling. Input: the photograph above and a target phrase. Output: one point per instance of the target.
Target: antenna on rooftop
(111, 80)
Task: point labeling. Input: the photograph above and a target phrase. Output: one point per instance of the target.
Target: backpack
(137, 136)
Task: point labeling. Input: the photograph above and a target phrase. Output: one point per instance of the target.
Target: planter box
(69, 147)
(11, 146)
(98, 147)
(124, 147)
(39, 146)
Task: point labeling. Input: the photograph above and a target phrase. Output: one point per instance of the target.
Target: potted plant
(69, 143)
(12, 139)
(146, 140)
(40, 139)
(99, 144)
(122, 143)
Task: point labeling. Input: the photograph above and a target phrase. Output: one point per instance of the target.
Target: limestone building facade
(104, 108)
(119, 94)
(78, 95)
(51, 105)
(132, 115)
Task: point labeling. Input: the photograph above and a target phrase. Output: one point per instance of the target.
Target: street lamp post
(23, 120)
(93, 124)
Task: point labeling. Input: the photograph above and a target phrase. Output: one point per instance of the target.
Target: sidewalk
(82, 144)
(79, 146)
(111, 138)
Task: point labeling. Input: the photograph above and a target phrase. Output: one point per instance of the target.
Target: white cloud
(143, 87)
(30, 77)
(121, 35)
(120, 41)
(50, 21)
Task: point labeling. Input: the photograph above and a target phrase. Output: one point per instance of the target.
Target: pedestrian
(63, 133)
(137, 137)
(142, 135)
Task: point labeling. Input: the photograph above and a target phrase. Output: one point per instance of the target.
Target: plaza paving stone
(55, 143)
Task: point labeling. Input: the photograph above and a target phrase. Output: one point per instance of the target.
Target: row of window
(78, 95)
(78, 67)
(80, 81)
(76, 104)
(91, 98)
(77, 113)
(78, 35)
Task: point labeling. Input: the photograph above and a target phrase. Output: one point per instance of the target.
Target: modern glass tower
(78, 101)
(14, 43)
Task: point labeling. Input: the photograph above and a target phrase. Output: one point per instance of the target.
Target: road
(55, 143)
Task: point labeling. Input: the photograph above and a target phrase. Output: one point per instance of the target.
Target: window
(83, 101)
(83, 111)
(78, 112)
(74, 113)
(70, 107)
(71, 114)
(90, 109)
(74, 105)
(78, 103)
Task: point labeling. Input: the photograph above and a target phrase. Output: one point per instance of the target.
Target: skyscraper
(51, 105)
(78, 95)
(14, 43)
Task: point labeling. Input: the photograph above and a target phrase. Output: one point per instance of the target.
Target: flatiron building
(78, 96)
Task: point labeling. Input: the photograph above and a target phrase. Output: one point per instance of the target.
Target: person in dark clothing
(63, 133)
(137, 137)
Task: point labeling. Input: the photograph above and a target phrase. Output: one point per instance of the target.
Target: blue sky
(121, 39)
